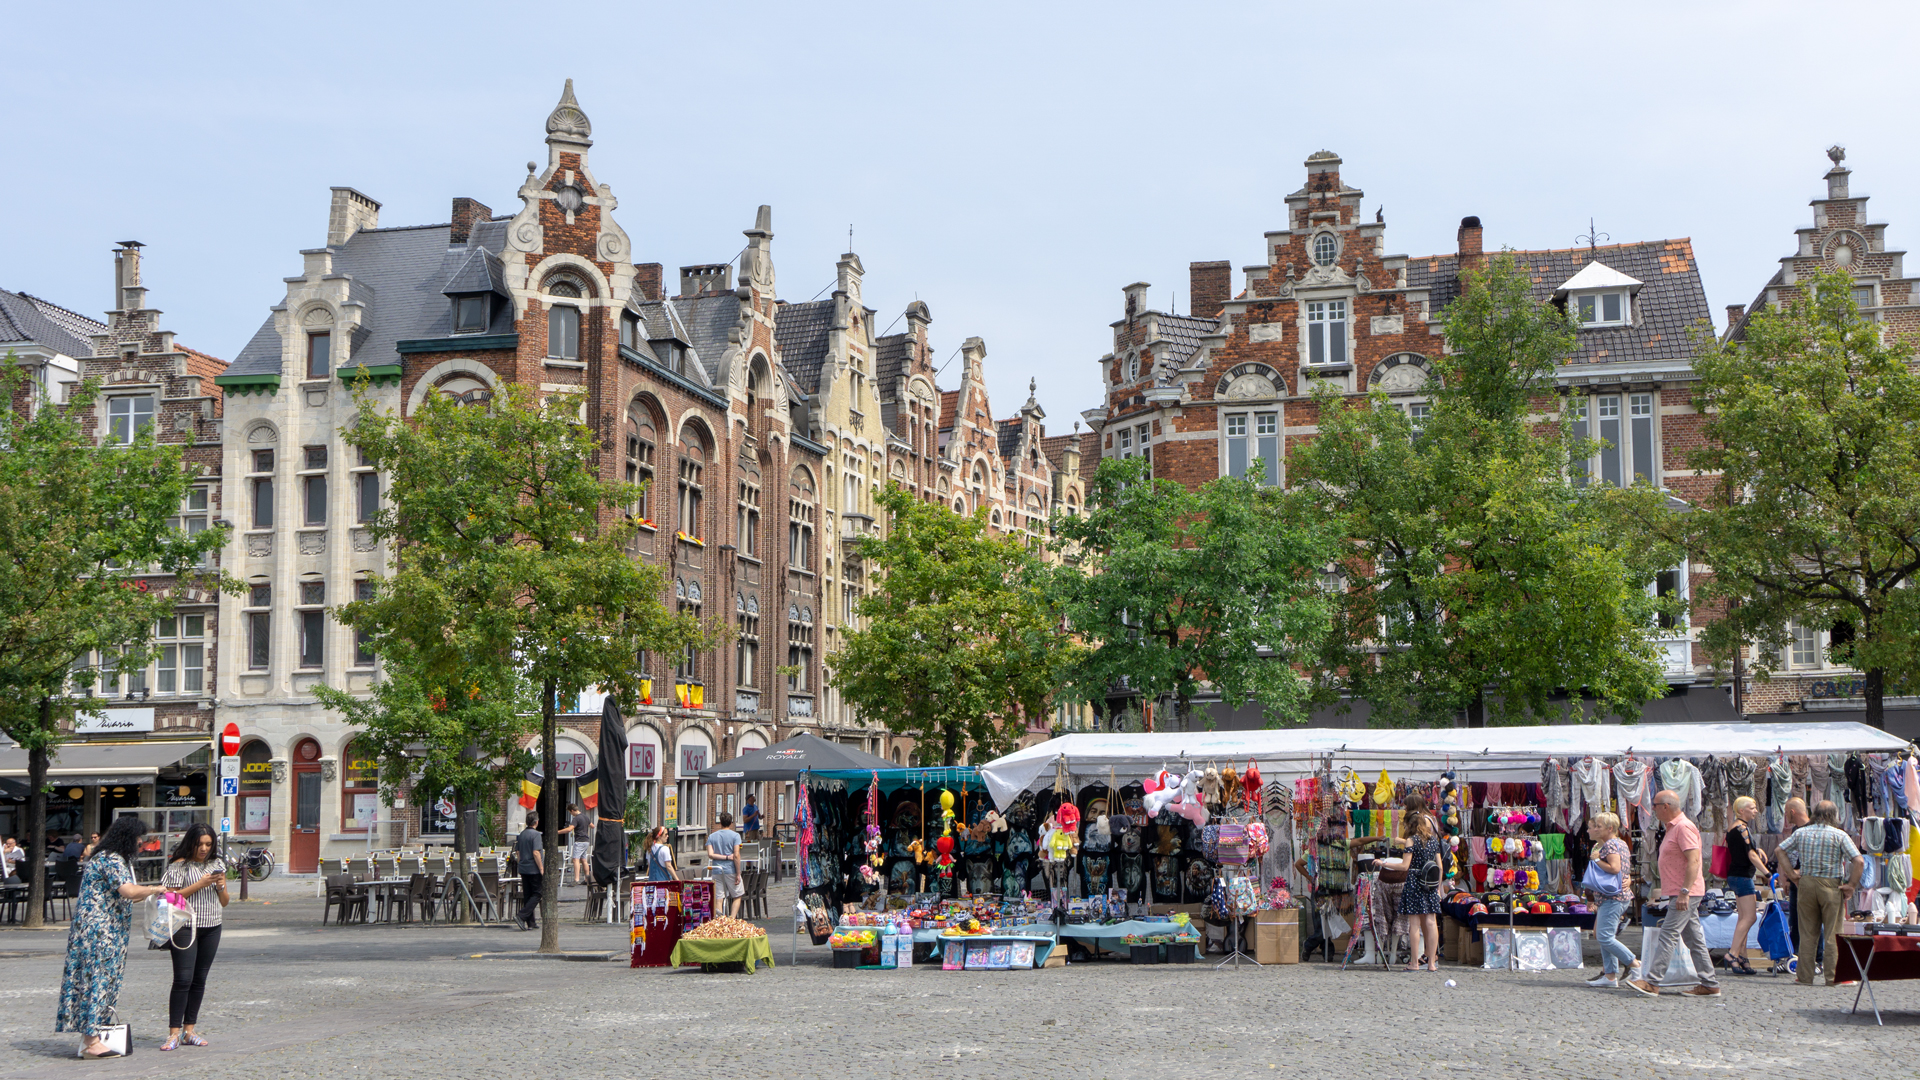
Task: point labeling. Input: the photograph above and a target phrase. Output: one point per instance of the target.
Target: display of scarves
(1593, 784)
(1713, 792)
(1682, 777)
(1634, 780)
(803, 822)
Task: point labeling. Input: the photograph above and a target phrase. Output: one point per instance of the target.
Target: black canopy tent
(785, 760)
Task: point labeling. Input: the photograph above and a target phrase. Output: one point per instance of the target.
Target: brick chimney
(706, 279)
(1472, 254)
(466, 214)
(1735, 312)
(646, 280)
(1210, 286)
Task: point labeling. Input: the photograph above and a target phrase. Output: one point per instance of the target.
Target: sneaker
(1604, 980)
(1642, 986)
(1702, 991)
(1631, 973)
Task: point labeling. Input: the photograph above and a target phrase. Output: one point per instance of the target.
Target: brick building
(1229, 387)
(1806, 684)
(149, 743)
(760, 426)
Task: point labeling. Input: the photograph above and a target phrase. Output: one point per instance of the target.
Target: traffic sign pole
(229, 787)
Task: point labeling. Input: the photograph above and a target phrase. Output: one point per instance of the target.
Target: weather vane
(1592, 238)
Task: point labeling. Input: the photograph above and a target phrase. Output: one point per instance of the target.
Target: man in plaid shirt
(1826, 856)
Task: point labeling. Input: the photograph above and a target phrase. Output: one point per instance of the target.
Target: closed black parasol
(610, 835)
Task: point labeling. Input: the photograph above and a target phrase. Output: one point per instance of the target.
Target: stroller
(1774, 935)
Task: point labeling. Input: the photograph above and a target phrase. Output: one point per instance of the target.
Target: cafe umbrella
(609, 835)
(787, 759)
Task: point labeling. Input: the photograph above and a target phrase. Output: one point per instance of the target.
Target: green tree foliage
(511, 578)
(1177, 591)
(957, 645)
(1810, 426)
(1480, 576)
(79, 523)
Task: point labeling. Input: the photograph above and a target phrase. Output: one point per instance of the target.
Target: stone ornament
(260, 546)
(313, 543)
(567, 120)
(329, 768)
(1401, 373)
(279, 770)
(1252, 380)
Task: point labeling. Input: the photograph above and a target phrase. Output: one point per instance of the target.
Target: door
(305, 856)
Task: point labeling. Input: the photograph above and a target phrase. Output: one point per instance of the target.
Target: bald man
(1682, 884)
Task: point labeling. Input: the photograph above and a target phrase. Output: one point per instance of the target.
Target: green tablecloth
(746, 950)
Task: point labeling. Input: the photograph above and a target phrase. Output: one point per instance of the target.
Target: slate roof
(800, 332)
(890, 357)
(707, 319)
(399, 273)
(25, 317)
(1737, 331)
(1009, 432)
(1180, 336)
(482, 272)
(1670, 303)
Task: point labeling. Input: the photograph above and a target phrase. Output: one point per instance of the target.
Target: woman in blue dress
(97, 938)
(1420, 901)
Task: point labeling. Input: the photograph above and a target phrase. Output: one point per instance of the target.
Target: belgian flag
(530, 789)
(588, 788)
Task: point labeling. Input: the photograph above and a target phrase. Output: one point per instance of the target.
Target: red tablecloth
(1894, 957)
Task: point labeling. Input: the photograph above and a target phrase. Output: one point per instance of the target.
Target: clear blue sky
(1012, 165)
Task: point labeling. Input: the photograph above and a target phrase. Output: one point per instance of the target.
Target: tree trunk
(549, 824)
(1181, 717)
(1477, 712)
(1876, 698)
(38, 761)
(950, 746)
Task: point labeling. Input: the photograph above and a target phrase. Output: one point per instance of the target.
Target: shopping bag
(1773, 932)
(167, 914)
(1721, 862)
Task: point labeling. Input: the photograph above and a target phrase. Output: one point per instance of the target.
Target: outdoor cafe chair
(436, 864)
(330, 868)
(409, 865)
(346, 896)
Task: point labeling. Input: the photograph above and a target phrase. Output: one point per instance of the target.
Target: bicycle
(256, 863)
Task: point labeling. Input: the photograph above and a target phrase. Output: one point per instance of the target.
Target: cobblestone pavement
(290, 1000)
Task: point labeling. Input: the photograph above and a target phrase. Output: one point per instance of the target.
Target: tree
(1176, 591)
(83, 530)
(957, 644)
(510, 571)
(1810, 426)
(1481, 574)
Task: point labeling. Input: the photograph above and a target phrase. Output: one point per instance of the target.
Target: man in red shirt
(1682, 884)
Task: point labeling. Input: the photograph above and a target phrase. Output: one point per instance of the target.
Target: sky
(1012, 165)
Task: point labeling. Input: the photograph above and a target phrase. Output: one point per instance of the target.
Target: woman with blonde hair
(1609, 856)
(1420, 900)
(1745, 861)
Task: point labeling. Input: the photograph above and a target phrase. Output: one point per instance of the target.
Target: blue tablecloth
(1042, 943)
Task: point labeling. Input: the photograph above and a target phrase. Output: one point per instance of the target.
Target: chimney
(706, 279)
(646, 280)
(466, 214)
(1136, 298)
(348, 214)
(1209, 287)
(1735, 312)
(1070, 458)
(128, 294)
(1472, 254)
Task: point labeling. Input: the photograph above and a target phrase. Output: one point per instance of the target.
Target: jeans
(531, 886)
(190, 966)
(1681, 924)
(1615, 958)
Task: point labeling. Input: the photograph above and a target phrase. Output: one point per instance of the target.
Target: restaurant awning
(103, 763)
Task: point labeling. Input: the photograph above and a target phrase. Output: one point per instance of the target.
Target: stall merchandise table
(747, 950)
(1871, 958)
(1459, 913)
(1041, 936)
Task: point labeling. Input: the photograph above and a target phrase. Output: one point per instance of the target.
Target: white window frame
(1251, 436)
(1590, 308)
(1327, 335)
(1806, 647)
(180, 655)
(1628, 423)
(1331, 244)
(126, 419)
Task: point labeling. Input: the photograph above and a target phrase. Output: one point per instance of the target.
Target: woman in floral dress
(97, 938)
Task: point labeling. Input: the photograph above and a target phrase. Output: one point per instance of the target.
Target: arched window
(800, 519)
(1325, 249)
(693, 457)
(641, 439)
(359, 788)
(563, 320)
(256, 788)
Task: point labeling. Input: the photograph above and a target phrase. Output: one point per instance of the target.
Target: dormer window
(469, 314)
(630, 330)
(1602, 309)
(1599, 296)
(1325, 249)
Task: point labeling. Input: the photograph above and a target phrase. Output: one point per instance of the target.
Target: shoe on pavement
(1642, 986)
(1603, 980)
(1703, 991)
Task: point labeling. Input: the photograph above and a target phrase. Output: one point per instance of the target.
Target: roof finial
(1836, 153)
(567, 122)
(1592, 238)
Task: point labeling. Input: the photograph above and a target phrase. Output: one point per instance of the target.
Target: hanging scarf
(1681, 777)
(1738, 773)
(1552, 790)
(1856, 771)
(1801, 766)
(1837, 783)
(1713, 783)
(1594, 782)
(1383, 791)
(1779, 790)
(1635, 781)
(803, 817)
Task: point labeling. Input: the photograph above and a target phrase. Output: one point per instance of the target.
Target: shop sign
(692, 760)
(642, 760)
(569, 766)
(671, 813)
(113, 721)
(1837, 688)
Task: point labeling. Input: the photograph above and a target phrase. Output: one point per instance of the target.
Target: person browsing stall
(1745, 862)
(1682, 884)
(723, 848)
(195, 873)
(1828, 875)
(660, 857)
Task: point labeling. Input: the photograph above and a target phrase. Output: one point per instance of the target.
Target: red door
(304, 844)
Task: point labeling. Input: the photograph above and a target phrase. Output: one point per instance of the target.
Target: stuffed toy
(919, 852)
(1250, 782)
(1099, 834)
(946, 813)
(1161, 789)
(1210, 785)
(944, 846)
(994, 822)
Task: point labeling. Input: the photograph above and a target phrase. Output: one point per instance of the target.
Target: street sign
(230, 740)
(229, 785)
(226, 826)
(229, 767)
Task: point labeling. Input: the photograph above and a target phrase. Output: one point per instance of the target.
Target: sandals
(192, 1039)
(172, 1043)
(1738, 965)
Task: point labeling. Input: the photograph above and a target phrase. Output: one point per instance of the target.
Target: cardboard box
(1056, 958)
(1276, 941)
(1472, 953)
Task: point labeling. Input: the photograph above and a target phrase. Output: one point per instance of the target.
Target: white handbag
(117, 1038)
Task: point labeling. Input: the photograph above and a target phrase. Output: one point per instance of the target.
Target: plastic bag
(167, 914)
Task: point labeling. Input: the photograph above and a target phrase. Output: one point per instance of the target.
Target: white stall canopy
(1498, 754)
